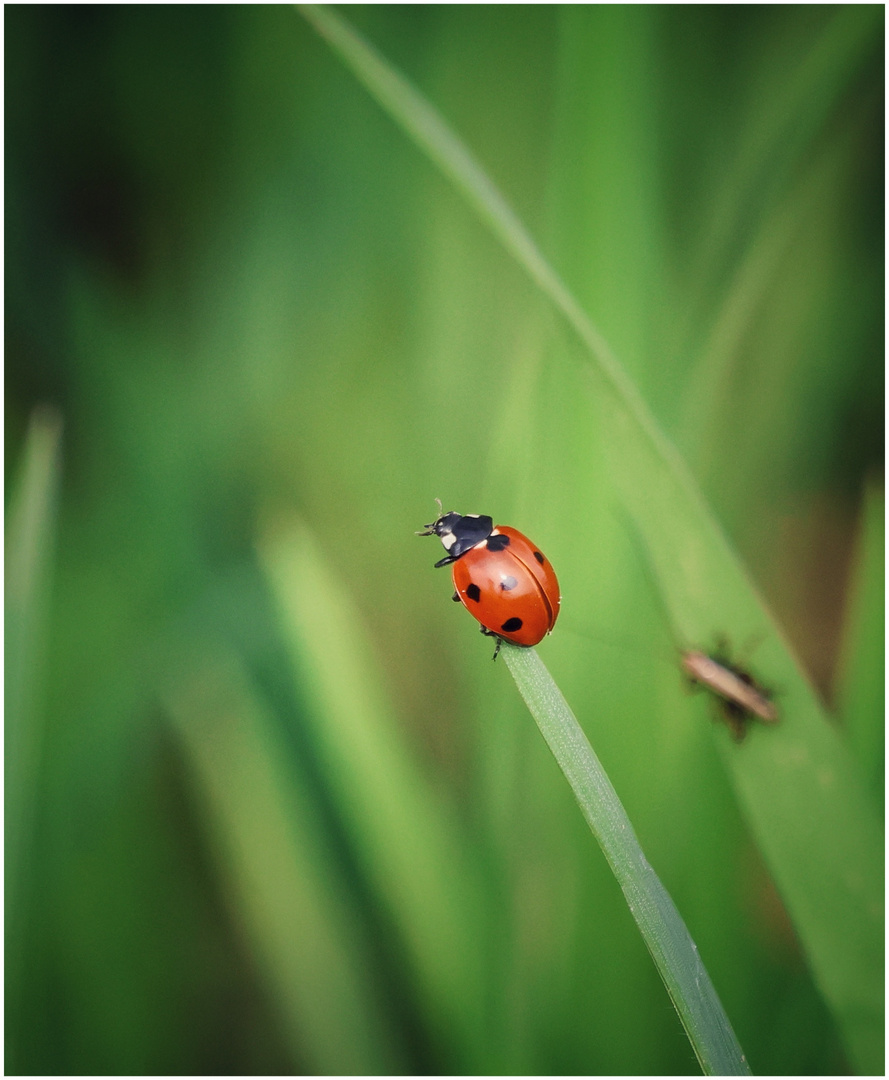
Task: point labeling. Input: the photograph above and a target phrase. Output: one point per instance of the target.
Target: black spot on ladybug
(539, 557)
(508, 582)
(511, 625)
(498, 542)
(473, 592)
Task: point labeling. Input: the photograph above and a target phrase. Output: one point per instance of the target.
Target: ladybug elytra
(500, 577)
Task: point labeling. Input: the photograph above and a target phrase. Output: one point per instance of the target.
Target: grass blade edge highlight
(663, 930)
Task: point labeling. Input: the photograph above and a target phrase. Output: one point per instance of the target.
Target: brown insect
(740, 697)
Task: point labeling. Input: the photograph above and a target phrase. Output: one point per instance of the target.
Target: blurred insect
(738, 695)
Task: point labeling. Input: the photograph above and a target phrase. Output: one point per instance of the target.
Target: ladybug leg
(456, 597)
(490, 633)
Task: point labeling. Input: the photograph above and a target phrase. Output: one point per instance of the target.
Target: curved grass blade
(862, 687)
(274, 864)
(797, 783)
(665, 934)
(410, 848)
(30, 527)
(29, 534)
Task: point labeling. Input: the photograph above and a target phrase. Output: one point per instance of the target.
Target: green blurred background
(270, 807)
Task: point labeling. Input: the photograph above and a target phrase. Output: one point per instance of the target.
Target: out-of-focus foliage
(274, 809)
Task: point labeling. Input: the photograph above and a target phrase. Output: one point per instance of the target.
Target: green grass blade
(862, 683)
(275, 868)
(423, 123)
(798, 785)
(29, 532)
(30, 527)
(772, 146)
(801, 791)
(406, 842)
(668, 940)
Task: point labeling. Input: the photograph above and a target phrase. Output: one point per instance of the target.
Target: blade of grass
(781, 133)
(665, 934)
(799, 789)
(407, 844)
(758, 271)
(275, 865)
(862, 684)
(421, 121)
(30, 525)
(29, 530)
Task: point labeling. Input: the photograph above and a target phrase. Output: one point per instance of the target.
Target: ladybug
(501, 578)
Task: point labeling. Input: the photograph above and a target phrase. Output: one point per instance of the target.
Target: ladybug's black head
(458, 533)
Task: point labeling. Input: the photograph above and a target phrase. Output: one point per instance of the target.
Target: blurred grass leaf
(799, 787)
(406, 842)
(280, 878)
(862, 688)
(30, 525)
(30, 535)
(784, 132)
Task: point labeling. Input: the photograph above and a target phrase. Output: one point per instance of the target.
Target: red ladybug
(503, 579)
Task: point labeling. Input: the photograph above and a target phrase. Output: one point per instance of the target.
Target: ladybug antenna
(427, 530)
